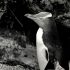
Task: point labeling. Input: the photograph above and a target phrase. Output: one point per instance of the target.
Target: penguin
(47, 40)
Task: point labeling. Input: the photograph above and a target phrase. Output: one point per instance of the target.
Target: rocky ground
(15, 53)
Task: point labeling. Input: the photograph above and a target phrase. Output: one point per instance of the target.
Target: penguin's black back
(57, 39)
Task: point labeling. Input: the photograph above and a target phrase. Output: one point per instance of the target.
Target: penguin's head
(41, 18)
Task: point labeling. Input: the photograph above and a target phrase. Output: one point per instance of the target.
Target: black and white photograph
(34, 34)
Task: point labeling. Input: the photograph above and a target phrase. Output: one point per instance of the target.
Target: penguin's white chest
(41, 48)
